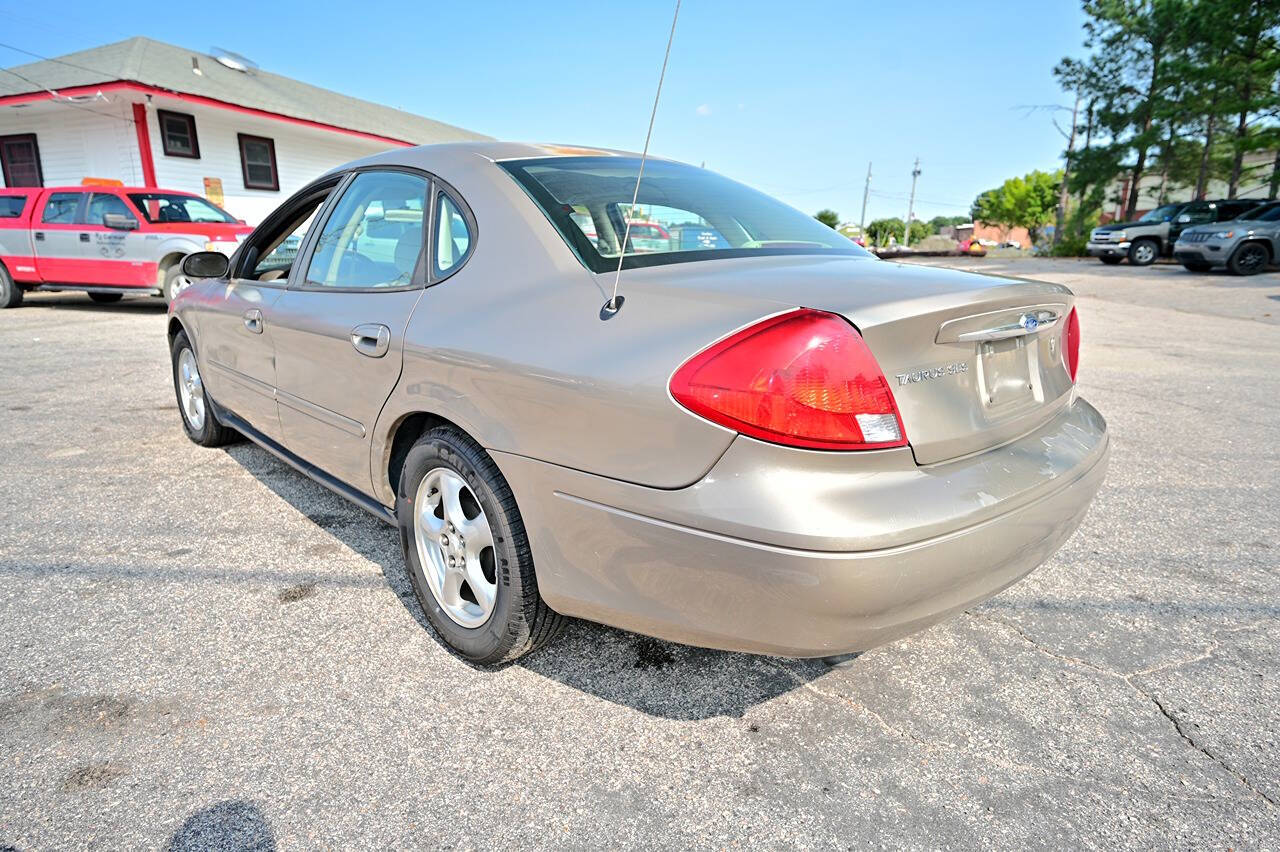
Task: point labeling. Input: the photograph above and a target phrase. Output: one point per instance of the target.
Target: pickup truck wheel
(106, 298)
(1144, 252)
(1110, 260)
(10, 292)
(175, 282)
(1249, 259)
(467, 553)
(198, 419)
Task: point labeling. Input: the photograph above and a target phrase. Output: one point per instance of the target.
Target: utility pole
(906, 232)
(866, 190)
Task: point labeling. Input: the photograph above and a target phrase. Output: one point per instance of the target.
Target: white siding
(76, 142)
(302, 154)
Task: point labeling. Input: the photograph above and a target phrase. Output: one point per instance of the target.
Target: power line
(50, 59)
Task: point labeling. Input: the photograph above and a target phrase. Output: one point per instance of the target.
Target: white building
(151, 114)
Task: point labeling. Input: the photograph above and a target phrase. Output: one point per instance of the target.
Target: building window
(20, 160)
(178, 134)
(258, 162)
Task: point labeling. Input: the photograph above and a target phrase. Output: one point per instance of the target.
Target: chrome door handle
(371, 339)
(84, 238)
(253, 320)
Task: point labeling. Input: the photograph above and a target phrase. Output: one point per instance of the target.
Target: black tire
(1144, 252)
(173, 280)
(106, 298)
(1249, 259)
(1193, 266)
(1110, 260)
(520, 621)
(10, 292)
(210, 433)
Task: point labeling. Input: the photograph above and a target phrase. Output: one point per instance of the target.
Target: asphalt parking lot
(203, 649)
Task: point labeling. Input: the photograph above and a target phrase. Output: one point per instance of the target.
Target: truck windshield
(682, 213)
(162, 207)
(1160, 214)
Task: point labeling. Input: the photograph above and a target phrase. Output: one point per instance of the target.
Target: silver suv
(1246, 245)
(1154, 234)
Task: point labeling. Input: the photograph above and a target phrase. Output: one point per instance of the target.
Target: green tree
(830, 218)
(1029, 202)
(880, 230)
(937, 223)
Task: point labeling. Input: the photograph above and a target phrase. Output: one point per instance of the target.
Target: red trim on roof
(144, 144)
(128, 85)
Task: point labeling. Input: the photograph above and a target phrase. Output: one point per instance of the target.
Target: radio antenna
(614, 304)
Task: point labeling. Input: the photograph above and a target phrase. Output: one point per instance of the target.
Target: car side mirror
(205, 264)
(119, 222)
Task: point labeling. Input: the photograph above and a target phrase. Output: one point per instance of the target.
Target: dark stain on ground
(93, 776)
(181, 551)
(753, 728)
(293, 594)
(19, 408)
(652, 654)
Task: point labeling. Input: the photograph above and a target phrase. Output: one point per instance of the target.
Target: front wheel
(1144, 252)
(106, 298)
(198, 420)
(174, 282)
(466, 551)
(10, 292)
(1249, 259)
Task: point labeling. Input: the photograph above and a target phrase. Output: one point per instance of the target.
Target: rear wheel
(1249, 259)
(106, 298)
(198, 420)
(1144, 252)
(10, 292)
(466, 551)
(1110, 260)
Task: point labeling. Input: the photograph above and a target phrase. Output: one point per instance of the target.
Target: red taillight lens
(1071, 344)
(804, 378)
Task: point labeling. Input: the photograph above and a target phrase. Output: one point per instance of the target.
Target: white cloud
(704, 109)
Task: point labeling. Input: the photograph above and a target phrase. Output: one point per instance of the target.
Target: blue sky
(792, 98)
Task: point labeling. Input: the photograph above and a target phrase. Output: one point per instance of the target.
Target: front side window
(258, 162)
(1160, 214)
(682, 213)
(178, 134)
(374, 235)
(171, 207)
(453, 237)
(102, 203)
(61, 208)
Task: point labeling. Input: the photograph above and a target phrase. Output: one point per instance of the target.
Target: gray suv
(1154, 234)
(1245, 245)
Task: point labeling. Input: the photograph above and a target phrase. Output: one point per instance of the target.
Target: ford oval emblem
(1029, 322)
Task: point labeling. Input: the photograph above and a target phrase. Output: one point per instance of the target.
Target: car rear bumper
(1107, 249)
(802, 553)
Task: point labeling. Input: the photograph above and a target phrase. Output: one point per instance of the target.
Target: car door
(120, 254)
(237, 336)
(339, 330)
(55, 233)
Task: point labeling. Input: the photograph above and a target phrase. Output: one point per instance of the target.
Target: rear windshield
(681, 214)
(11, 206)
(165, 207)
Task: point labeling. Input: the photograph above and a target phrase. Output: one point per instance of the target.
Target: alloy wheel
(1144, 253)
(455, 547)
(1252, 259)
(191, 390)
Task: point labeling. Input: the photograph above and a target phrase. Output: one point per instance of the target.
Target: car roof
(26, 190)
(454, 155)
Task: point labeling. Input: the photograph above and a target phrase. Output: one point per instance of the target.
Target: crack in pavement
(1178, 728)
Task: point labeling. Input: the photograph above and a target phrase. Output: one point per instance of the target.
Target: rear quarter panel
(16, 249)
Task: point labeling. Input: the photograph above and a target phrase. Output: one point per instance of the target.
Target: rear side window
(453, 236)
(61, 208)
(11, 206)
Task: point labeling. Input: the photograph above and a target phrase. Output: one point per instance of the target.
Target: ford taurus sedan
(771, 442)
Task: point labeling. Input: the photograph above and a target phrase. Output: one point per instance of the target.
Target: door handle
(39, 236)
(84, 238)
(253, 320)
(371, 339)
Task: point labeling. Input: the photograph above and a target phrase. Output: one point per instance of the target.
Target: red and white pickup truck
(105, 240)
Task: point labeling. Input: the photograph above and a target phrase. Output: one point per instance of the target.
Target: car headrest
(408, 247)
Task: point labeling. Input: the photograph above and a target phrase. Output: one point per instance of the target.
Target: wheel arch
(402, 435)
(1257, 240)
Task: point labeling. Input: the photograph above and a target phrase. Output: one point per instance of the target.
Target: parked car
(1246, 245)
(1155, 232)
(779, 444)
(105, 240)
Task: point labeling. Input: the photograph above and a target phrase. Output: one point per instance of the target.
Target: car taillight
(1071, 344)
(804, 378)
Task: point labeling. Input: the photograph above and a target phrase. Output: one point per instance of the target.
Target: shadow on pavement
(229, 825)
(655, 677)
